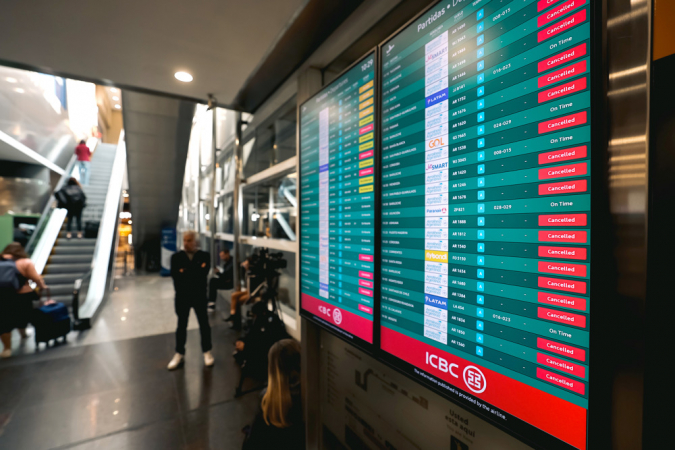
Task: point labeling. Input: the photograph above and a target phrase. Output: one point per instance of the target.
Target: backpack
(9, 275)
(70, 197)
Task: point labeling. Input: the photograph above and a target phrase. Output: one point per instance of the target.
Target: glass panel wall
(270, 209)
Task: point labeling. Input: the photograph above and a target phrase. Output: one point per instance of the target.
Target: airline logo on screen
(473, 377)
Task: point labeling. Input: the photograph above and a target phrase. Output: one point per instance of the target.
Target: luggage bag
(51, 322)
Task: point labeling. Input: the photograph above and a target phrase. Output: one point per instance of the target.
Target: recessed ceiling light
(183, 76)
(115, 90)
(19, 90)
(116, 98)
(118, 107)
(11, 80)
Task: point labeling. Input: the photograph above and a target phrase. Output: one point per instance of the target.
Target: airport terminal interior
(337, 224)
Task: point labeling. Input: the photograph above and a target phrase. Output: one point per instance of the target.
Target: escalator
(71, 259)
(77, 269)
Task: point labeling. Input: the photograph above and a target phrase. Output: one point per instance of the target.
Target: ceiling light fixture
(19, 90)
(115, 90)
(183, 76)
(118, 107)
(11, 80)
(116, 98)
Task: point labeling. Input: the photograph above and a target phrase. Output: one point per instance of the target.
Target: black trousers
(72, 215)
(183, 306)
(218, 284)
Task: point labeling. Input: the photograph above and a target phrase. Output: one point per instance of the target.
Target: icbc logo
(337, 316)
(474, 379)
(433, 143)
(444, 210)
(324, 310)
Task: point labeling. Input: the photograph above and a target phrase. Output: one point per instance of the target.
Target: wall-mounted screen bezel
(525, 431)
(326, 317)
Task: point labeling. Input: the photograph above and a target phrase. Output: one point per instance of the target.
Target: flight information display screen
(486, 210)
(337, 204)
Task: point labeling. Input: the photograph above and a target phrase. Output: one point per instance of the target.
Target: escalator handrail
(77, 287)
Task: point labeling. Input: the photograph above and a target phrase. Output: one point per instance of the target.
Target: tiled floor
(110, 389)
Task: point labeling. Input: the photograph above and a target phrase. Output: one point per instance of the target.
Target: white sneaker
(208, 359)
(176, 362)
(6, 353)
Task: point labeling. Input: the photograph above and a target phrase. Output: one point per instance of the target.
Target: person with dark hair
(189, 270)
(279, 420)
(72, 198)
(16, 305)
(83, 161)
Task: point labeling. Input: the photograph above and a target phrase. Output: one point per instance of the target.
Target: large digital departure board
(486, 210)
(338, 204)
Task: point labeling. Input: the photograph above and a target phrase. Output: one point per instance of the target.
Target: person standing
(189, 270)
(83, 161)
(16, 305)
(72, 197)
(224, 278)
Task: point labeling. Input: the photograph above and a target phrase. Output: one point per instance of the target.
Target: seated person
(223, 279)
(251, 350)
(279, 421)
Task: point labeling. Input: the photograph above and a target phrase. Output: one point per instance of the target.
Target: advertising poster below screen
(337, 204)
(486, 210)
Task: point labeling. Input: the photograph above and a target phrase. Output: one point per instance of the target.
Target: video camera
(265, 264)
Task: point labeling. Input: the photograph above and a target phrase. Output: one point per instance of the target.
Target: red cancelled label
(565, 187)
(368, 275)
(567, 220)
(563, 155)
(568, 318)
(577, 270)
(563, 74)
(561, 365)
(562, 285)
(562, 58)
(570, 170)
(366, 309)
(367, 128)
(368, 171)
(543, 4)
(562, 300)
(562, 252)
(558, 12)
(366, 283)
(561, 349)
(563, 25)
(580, 237)
(565, 89)
(563, 122)
(368, 154)
(561, 381)
(366, 292)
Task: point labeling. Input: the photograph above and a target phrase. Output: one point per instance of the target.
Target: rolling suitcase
(91, 229)
(51, 322)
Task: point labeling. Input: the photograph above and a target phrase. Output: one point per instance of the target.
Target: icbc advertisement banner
(486, 210)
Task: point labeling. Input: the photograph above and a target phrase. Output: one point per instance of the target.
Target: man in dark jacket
(189, 269)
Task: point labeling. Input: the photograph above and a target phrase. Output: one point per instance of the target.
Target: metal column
(237, 199)
(213, 105)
